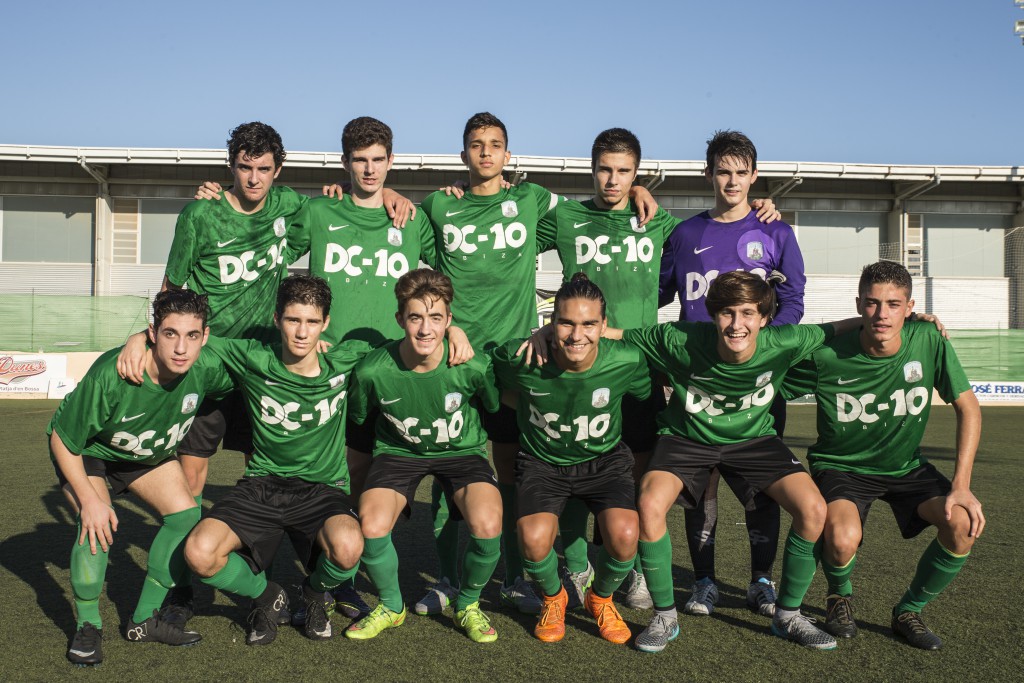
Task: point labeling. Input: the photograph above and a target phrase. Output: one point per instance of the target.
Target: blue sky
(893, 81)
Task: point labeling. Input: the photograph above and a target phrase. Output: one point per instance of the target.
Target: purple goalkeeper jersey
(701, 248)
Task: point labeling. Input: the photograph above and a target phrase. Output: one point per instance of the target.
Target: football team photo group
(412, 350)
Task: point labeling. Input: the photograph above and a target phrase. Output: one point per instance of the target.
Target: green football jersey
(714, 402)
(109, 418)
(488, 247)
(361, 255)
(566, 418)
(872, 412)
(237, 260)
(425, 414)
(618, 254)
(298, 423)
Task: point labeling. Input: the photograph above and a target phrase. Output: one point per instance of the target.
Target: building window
(47, 229)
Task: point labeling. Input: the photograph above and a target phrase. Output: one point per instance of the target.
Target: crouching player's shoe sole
(375, 622)
(476, 624)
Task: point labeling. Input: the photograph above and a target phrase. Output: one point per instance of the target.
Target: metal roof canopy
(452, 162)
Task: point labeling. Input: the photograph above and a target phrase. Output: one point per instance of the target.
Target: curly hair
(255, 139)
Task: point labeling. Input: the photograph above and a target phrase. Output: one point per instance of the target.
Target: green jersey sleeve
(361, 398)
(487, 390)
(234, 354)
(183, 254)
(802, 379)
(83, 414)
(298, 236)
(657, 343)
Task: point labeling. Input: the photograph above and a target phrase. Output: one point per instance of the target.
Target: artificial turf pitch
(976, 616)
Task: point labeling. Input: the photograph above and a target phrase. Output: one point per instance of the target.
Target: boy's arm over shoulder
(184, 251)
(487, 383)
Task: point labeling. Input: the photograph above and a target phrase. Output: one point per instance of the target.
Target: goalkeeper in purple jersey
(727, 238)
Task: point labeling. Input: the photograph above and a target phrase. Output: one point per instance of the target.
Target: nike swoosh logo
(82, 654)
(221, 245)
(580, 225)
(387, 403)
(449, 214)
(701, 251)
(847, 381)
(332, 228)
(534, 393)
(795, 461)
(272, 384)
(133, 417)
(706, 379)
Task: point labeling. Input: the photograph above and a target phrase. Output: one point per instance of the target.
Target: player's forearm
(843, 326)
(968, 436)
(612, 333)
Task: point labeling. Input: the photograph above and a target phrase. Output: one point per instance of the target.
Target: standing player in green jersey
(489, 238)
(297, 479)
(873, 388)
(427, 423)
(725, 375)
(603, 238)
(110, 430)
(570, 421)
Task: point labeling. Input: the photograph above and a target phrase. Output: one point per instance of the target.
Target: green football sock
(545, 573)
(609, 573)
(839, 577)
(799, 563)
(87, 574)
(935, 570)
(328, 576)
(656, 559)
(572, 526)
(236, 577)
(638, 566)
(509, 534)
(381, 562)
(446, 534)
(166, 561)
(482, 555)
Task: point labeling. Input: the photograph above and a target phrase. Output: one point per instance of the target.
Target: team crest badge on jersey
(337, 381)
(913, 372)
(600, 398)
(452, 402)
(279, 226)
(394, 237)
(189, 404)
(509, 209)
(755, 251)
(763, 379)
(634, 223)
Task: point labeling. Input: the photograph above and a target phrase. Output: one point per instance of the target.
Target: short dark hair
(579, 287)
(363, 132)
(304, 289)
(255, 139)
(731, 143)
(183, 301)
(424, 284)
(740, 287)
(484, 119)
(614, 141)
(885, 272)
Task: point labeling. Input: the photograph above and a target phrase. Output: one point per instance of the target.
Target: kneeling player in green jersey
(427, 423)
(570, 421)
(725, 375)
(873, 388)
(110, 430)
(297, 479)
